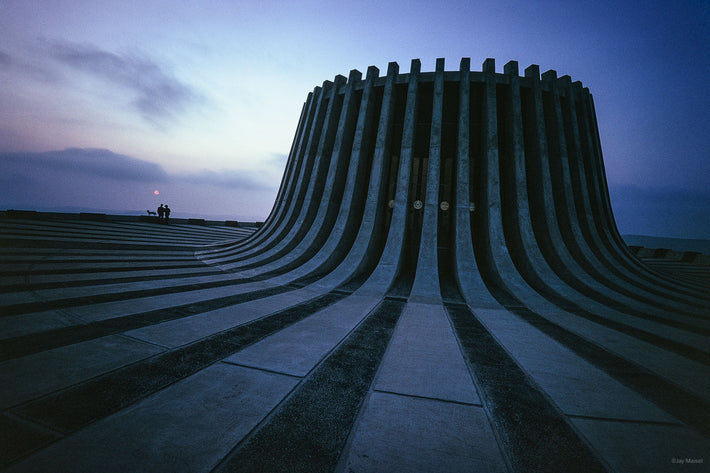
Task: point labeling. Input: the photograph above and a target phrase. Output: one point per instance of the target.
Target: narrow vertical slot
(476, 132)
(447, 179)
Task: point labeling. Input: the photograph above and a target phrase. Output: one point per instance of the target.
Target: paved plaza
(439, 287)
(122, 350)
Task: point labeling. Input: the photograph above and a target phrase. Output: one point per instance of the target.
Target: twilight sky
(104, 102)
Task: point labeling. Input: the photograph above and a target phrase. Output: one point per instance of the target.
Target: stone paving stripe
(48, 267)
(685, 406)
(26, 307)
(576, 386)
(407, 434)
(683, 349)
(187, 427)
(37, 375)
(68, 410)
(631, 447)
(534, 433)
(310, 430)
(105, 229)
(34, 343)
(99, 282)
(298, 348)
(179, 284)
(94, 245)
(19, 438)
(423, 358)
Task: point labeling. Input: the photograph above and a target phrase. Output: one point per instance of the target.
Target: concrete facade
(440, 286)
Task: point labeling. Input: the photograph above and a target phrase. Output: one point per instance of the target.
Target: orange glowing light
(156, 192)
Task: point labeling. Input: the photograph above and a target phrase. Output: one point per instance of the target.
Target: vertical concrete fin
(288, 171)
(511, 68)
(349, 185)
(347, 246)
(595, 179)
(514, 192)
(581, 191)
(426, 281)
(549, 75)
(316, 181)
(302, 177)
(489, 65)
(321, 212)
(361, 140)
(391, 259)
(518, 216)
(532, 71)
(491, 247)
(545, 195)
(488, 177)
(305, 208)
(362, 252)
(340, 152)
(467, 274)
(597, 161)
(270, 227)
(570, 198)
(543, 222)
(291, 154)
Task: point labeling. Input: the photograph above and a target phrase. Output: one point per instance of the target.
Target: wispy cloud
(103, 163)
(230, 179)
(89, 162)
(14, 64)
(157, 95)
(101, 179)
(5, 59)
(277, 159)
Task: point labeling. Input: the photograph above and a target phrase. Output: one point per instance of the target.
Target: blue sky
(102, 103)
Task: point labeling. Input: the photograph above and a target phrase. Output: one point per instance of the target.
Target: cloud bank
(5, 59)
(157, 94)
(100, 178)
(88, 162)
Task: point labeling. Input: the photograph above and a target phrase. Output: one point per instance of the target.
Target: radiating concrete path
(440, 287)
(188, 385)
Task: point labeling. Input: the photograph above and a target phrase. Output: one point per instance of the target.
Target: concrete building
(440, 286)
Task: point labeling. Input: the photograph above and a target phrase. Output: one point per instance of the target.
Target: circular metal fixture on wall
(418, 204)
(444, 205)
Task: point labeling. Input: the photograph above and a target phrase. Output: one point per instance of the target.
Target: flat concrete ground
(121, 351)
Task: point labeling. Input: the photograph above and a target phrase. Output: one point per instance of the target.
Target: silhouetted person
(166, 210)
(161, 213)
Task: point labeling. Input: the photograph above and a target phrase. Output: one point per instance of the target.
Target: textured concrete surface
(500, 324)
(402, 434)
(423, 409)
(188, 426)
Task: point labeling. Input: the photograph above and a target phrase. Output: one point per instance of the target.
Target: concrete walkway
(121, 351)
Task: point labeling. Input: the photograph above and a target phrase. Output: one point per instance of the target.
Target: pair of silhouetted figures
(164, 213)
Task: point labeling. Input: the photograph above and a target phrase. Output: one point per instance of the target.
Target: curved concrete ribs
(440, 286)
(492, 181)
(479, 199)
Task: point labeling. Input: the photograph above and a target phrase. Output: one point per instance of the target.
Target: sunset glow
(202, 99)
